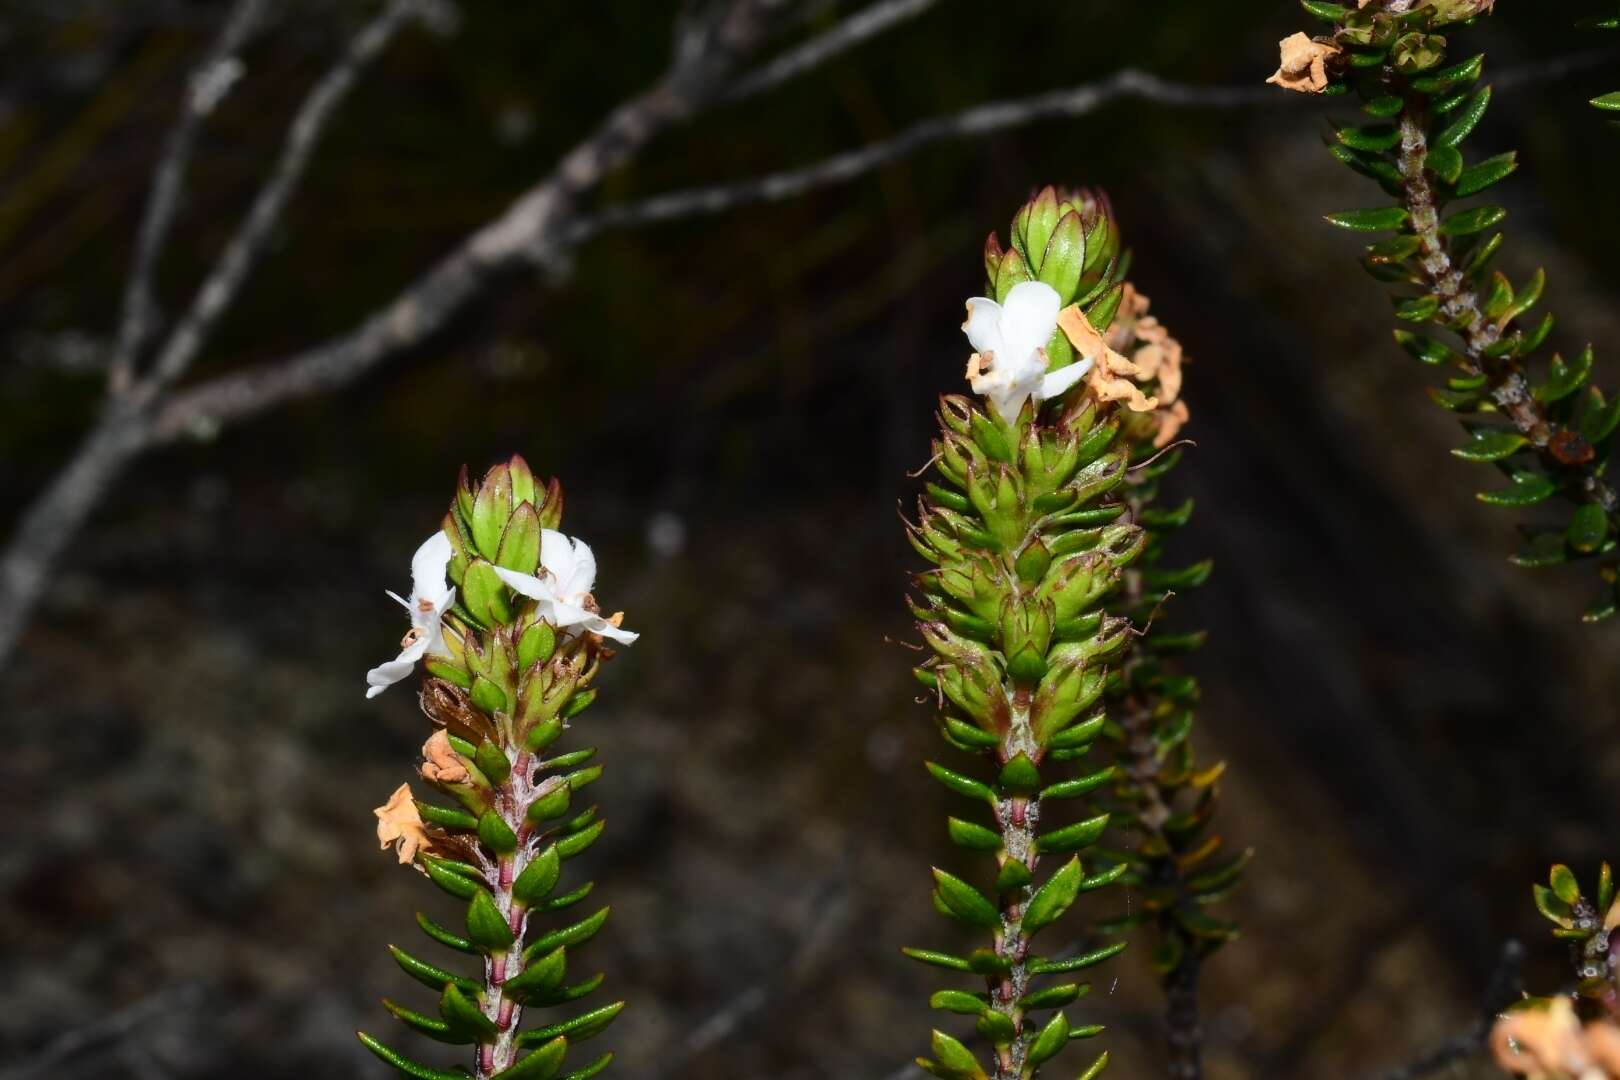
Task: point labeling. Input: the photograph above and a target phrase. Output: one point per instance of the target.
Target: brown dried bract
(1303, 66)
(1111, 375)
(448, 706)
(399, 824)
(1571, 449)
(442, 766)
(1157, 354)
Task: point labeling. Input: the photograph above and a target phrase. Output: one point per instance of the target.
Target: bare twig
(853, 31)
(981, 120)
(1501, 990)
(199, 100)
(223, 284)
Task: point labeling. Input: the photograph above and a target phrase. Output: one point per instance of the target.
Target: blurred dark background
(190, 886)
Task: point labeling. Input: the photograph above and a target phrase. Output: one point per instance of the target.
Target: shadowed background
(1414, 728)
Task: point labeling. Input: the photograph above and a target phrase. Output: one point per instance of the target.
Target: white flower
(1010, 365)
(563, 587)
(431, 596)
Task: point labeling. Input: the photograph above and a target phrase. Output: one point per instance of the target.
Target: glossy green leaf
(1491, 444)
(569, 846)
(1372, 220)
(539, 877)
(1073, 837)
(938, 959)
(1466, 120)
(962, 785)
(972, 836)
(1588, 528)
(443, 936)
(483, 594)
(1051, 1038)
(459, 1011)
(1481, 175)
(582, 1027)
(590, 1070)
(1052, 899)
(1446, 162)
(958, 1001)
(486, 926)
(1469, 222)
(570, 936)
(541, 1064)
(1527, 489)
(964, 901)
(414, 1069)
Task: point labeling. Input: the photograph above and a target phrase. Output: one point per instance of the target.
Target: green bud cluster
(1028, 543)
(1586, 921)
(503, 697)
(1550, 434)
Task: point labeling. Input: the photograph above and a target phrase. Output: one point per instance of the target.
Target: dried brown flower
(1303, 66)
(399, 824)
(1551, 1042)
(1110, 377)
(442, 765)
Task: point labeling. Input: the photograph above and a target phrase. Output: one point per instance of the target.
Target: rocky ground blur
(190, 885)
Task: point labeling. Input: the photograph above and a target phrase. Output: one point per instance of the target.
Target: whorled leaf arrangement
(1546, 429)
(1575, 1033)
(1164, 802)
(1029, 544)
(504, 682)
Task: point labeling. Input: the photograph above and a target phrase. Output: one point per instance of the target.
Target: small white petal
(429, 566)
(1028, 319)
(567, 614)
(526, 584)
(983, 326)
(1063, 378)
(583, 579)
(388, 673)
(599, 625)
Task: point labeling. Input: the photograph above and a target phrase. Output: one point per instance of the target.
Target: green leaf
(1600, 419)
(1053, 997)
(539, 877)
(520, 543)
(954, 1056)
(1564, 884)
(1020, 776)
(569, 846)
(590, 1070)
(439, 872)
(542, 1064)
(1054, 898)
(958, 1001)
(1052, 1038)
(1446, 162)
(1439, 82)
(491, 761)
(964, 901)
(571, 936)
(972, 836)
(541, 977)
(1083, 785)
(427, 974)
(1527, 489)
(443, 936)
(1481, 175)
(1588, 528)
(1460, 128)
(582, 1027)
(536, 645)
(1073, 837)
(496, 834)
(1426, 349)
(1040, 966)
(483, 594)
(445, 817)
(938, 959)
(1563, 379)
(553, 804)
(491, 508)
(1331, 13)
(1492, 444)
(1376, 219)
(414, 1069)
(460, 1012)
(1469, 222)
(486, 925)
(1609, 102)
(431, 1026)
(962, 785)
(1376, 138)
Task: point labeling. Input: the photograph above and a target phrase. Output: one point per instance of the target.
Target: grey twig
(203, 92)
(1501, 990)
(857, 29)
(220, 289)
(971, 123)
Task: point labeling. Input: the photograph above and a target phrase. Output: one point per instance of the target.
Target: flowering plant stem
(503, 619)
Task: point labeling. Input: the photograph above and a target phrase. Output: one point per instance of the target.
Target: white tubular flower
(563, 587)
(1009, 367)
(431, 596)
